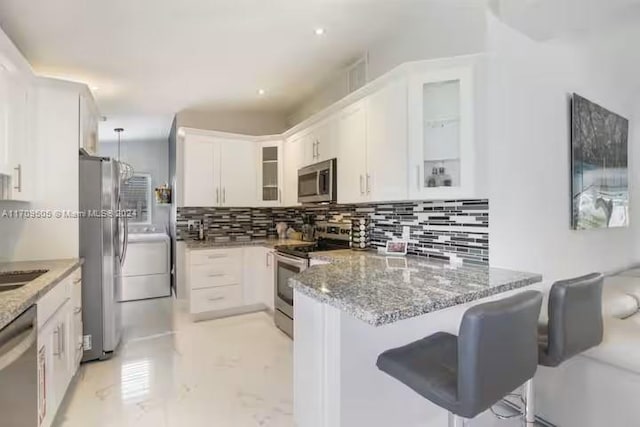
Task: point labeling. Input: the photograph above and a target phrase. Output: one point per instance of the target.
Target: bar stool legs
(456, 421)
(529, 415)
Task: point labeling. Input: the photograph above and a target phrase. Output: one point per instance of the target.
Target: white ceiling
(152, 58)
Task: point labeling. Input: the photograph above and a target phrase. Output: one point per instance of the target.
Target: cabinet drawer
(48, 304)
(206, 276)
(222, 256)
(212, 299)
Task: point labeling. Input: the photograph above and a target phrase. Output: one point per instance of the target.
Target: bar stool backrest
(575, 318)
(497, 350)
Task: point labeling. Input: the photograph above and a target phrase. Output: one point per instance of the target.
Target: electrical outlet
(86, 342)
(406, 233)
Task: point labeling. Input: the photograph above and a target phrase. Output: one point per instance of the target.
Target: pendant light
(126, 170)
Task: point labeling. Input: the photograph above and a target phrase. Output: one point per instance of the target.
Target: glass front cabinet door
(270, 174)
(441, 149)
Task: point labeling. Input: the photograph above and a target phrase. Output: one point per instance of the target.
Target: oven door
(286, 268)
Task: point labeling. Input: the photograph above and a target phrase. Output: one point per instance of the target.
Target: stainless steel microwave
(317, 183)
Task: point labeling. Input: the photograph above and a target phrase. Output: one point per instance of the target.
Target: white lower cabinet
(259, 274)
(225, 281)
(59, 332)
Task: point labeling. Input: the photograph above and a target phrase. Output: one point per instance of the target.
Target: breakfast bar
(351, 306)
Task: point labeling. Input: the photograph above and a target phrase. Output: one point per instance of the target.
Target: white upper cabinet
(5, 167)
(238, 172)
(441, 148)
(270, 173)
(352, 154)
(293, 160)
(89, 117)
(372, 147)
(219, 171)
(386, 176)
(201, 177)
(16, 133)
(320, 141)
(21, 136)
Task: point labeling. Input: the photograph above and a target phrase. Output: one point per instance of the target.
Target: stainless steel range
(294, 259)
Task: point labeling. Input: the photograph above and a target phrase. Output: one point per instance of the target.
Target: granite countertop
(269, 243)
(15, 302)
(381, 290)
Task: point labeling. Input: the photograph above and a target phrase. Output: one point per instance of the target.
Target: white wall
(242, 122)
(146, 156)
(529, 167)
(442, 29)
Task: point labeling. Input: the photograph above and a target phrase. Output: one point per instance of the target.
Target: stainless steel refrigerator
(103, 245)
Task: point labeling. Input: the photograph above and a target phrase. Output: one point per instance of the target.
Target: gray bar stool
(494, 353)
(574, 326)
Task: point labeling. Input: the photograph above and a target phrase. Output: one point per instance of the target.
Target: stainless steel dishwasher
(19, 372)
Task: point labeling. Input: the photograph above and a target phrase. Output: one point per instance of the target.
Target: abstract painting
(599, 166)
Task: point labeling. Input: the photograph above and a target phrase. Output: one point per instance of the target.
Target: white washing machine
(146, 269)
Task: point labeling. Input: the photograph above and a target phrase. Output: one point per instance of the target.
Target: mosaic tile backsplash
(452, 229)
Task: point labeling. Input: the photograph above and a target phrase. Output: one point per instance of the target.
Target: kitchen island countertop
(381, 290)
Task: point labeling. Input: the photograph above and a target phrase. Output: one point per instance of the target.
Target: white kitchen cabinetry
(219, 172)
(20, 137)
(89, 117)
(16, 133)
(352, 154)
(5, 168)
(58, 333)
(201, 178)
(320, 143)
(237, 172)
(372, 142)
(387, 144)
(229, 281)
(270, 173)
(441, 135)
(259, 276)
(214, 278)
(293, 160)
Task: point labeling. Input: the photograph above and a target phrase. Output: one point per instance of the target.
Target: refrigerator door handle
(125, 241)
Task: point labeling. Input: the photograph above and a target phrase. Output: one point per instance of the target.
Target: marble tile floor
(170, 372)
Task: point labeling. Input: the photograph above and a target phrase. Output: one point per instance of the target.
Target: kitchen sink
(16, 279)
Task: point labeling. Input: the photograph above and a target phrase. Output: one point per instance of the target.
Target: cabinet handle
(217, 195)
(418, 176)
(18, 187)
(215, 298)
(216, 274)
(216, 256)
(318, 149)
(62, 338)
(368, 184)
(78, 280)
(268, 263)
(279, 195)
(77, 310)
(224, 195)
(361, 185)
(56, 348)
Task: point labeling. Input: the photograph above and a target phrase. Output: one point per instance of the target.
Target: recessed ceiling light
(320, 31)
(261, 92)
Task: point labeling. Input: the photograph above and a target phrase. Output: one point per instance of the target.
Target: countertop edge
(377, 320)
(13, 309)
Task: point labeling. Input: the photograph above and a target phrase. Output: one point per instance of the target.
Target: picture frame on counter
(396, 247)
